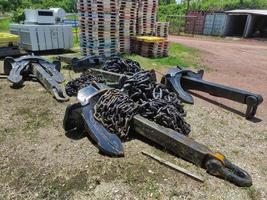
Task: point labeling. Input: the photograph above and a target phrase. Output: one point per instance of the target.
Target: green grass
(76, 41)
(33, 120)
(178, 55)
(4, 25)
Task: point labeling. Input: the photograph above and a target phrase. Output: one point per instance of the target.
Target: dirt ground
(38, 161)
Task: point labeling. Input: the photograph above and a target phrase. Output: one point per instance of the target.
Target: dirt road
(240, 63)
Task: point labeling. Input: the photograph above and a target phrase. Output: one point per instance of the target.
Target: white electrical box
(35, 37)
(39, 16)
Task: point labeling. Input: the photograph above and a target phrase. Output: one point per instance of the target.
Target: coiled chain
(145, 97)
(122, 66)
(83, 81)
(115, 111)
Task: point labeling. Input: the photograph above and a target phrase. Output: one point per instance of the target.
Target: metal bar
(173, 141)
(108, 76)
(66, 59)
(173, 166)
(215, 89)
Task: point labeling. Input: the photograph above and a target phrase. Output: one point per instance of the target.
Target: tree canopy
(167, 7)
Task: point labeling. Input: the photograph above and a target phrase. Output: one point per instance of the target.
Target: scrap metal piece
(33, 67)
(173, 166)
(80, 117)
(180, 81)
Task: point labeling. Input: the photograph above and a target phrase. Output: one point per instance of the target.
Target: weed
(253, 193)
(153, 189)
(33, 120)
(178, 55)
(5, 133)
(174, 193)
(62, 188)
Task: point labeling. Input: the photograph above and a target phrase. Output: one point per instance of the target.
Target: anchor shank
(174, 142)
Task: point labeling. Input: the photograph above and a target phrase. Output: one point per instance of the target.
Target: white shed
(246, 23)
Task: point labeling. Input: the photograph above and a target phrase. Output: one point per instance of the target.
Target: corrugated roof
(255, 12)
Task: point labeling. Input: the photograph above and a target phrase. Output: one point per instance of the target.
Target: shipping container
(214, 24)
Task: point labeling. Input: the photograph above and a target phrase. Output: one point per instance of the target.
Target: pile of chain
(156, 102)
(83, 81)
(145, 97)
(122, 66)
(115, 111)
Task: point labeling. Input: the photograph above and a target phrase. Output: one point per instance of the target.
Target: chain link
(151, 100)
(83, 81)
(115, 111)
(122, 66)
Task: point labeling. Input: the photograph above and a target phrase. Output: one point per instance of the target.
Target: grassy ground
(178, 55)
(38, 161)
(4, 25)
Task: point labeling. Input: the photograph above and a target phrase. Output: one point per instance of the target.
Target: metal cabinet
(36, 37)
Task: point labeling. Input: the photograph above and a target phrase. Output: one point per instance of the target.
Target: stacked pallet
(98, 27)
(147, 17)
(127, 23)
(162, 29)
(150, 46)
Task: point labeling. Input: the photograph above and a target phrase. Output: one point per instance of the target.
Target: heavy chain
(122, 66)
(156, 102)
(151, 100)
(83, 81)
(165, 114)
(115, 111)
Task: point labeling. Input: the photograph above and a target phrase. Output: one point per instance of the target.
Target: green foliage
(12, 5)
(230, 4)
(18, 15)
(4, 25)
(171, 9)
(166, 9)
(17, 6)
(166, 2)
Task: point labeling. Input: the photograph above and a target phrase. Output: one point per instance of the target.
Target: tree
(166, 2)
